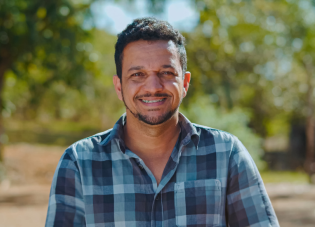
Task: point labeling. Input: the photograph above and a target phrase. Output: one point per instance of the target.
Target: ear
(117, 86)
(186, 83)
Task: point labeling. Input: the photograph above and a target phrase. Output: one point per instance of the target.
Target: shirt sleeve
(248, 203)
(66, 205)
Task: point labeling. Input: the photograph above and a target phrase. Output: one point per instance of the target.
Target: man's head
(151, 66)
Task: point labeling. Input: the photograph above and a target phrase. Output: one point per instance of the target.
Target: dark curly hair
(152, 29)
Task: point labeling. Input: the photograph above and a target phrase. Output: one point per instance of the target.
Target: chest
(190, 193)
(156, 167)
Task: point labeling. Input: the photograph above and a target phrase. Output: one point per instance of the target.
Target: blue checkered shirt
(209, 180)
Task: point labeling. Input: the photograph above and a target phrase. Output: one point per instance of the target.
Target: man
(155, 168)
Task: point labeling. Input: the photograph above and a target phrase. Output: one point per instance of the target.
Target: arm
(66, 205)
(247, 201)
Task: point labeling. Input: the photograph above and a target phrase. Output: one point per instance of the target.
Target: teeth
(152, 101)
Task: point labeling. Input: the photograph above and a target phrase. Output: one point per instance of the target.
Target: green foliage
(235, 121)
(253, 54)
(39, 42)
(94, 99)
(54, 132)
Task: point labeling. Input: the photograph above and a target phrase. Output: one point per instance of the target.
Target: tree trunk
(5, 63)
(3, 68)
(310, 143)
(310, 140)
(310, 124)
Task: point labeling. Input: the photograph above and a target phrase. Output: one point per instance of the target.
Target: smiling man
(155, 167)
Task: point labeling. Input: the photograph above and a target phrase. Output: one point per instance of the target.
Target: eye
(137, 74)
(167, 73)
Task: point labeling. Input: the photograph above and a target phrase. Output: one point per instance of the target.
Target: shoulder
(95, 139)
(226, 146)
(224, 142)
(218, 136)
(219, 141)
(86, 146)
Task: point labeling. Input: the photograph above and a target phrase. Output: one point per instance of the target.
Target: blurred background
(253, 75)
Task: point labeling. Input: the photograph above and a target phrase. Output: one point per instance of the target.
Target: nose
(153, 84)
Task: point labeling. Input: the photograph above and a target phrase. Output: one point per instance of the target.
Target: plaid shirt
(209, 180)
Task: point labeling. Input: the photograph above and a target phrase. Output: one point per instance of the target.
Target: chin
(152, 118)
(155, 120)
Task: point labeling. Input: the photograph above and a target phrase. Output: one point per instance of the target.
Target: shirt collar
(117, 131)
(188, 132)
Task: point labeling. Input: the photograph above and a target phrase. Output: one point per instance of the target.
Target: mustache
(152, 95)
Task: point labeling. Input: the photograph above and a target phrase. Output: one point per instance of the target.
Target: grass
(284, 176)
(54, 126)
(61, 133)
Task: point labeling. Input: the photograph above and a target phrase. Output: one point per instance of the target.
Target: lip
(153, 103)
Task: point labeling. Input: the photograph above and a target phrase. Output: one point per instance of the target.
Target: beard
(149, 119)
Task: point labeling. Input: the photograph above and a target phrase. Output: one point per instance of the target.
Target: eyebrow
(135, 68)
(141, 67)
(168, 66)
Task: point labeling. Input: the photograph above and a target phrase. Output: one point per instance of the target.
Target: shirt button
(157, 197)
(141, 166)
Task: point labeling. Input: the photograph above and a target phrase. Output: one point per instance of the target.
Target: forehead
(143, 51)
(153, 44)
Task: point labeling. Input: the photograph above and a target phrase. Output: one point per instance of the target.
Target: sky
(114, 17)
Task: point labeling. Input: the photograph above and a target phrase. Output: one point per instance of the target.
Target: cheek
(176, 89)
(130, 91)
(177, 86)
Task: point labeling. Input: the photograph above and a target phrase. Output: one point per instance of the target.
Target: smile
(152, 101)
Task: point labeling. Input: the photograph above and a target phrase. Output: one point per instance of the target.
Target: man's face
(152, 85)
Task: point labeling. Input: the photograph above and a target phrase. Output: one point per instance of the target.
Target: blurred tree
(63, 102)
(39, 45)
(257, 55)
(228, 55)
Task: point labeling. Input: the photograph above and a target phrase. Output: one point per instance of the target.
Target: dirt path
(294, 204)
(23, 199)
(23, 206)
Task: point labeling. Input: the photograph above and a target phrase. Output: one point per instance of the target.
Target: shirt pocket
(198, 203)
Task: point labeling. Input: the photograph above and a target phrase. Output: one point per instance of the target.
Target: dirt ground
(29, 169)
